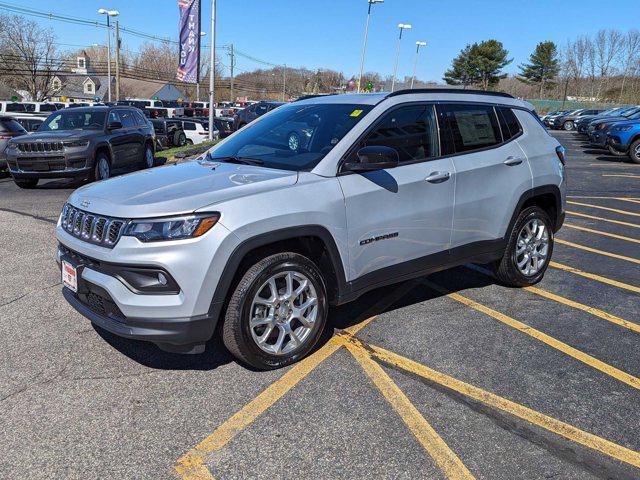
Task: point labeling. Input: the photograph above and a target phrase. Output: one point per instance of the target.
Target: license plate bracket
(69, 276)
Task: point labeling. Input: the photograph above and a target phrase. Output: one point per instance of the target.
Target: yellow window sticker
(355, 113)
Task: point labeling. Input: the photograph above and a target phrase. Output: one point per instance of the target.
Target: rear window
(508, 123)
(11, 126)
(468, 128)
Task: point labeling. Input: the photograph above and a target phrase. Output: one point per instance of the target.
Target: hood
(177, 189)
(53, 135)
(628, 123)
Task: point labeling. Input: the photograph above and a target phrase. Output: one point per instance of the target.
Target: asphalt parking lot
(446, 376)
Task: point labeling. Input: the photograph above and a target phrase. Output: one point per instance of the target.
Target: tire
(242, 340)
(616, 153)
(101, 168)
(634, 151)
(26, 182)
(179, 139)
(568, 125)
(293, 141)
(506, 269)
(189, 141)
(148, 159)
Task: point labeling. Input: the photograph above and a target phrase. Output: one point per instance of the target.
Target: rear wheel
(148, 156)
(634, 151)
(179, 139)
(102, 167)
(528, 251)
(26, 182)
(277, 312)
(568, 125)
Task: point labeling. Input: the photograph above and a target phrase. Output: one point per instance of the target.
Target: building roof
(134, 88)
(73, 86)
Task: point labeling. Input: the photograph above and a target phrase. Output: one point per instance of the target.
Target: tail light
(561, 152)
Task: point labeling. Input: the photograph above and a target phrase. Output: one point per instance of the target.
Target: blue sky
(328, 33)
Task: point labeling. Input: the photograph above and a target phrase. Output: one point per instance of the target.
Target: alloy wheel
(532, 247)
(283, 313)
(103, 169)
(148, 157)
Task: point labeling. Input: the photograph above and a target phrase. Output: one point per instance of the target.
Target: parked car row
(616, 130)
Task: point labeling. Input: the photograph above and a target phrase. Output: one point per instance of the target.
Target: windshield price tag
(356, 113)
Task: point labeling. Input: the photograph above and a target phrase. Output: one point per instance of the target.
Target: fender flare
(536, 192)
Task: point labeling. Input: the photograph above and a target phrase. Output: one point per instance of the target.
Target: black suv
(252, 112)
(85, 142)
(169, 133)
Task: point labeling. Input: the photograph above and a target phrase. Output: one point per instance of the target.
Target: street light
(108, 13)
(364, 46)
(415, 63)
(402, 27)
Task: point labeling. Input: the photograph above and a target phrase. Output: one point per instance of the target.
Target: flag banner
(189, 50)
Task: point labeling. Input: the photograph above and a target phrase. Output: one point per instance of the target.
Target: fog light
(162, 280)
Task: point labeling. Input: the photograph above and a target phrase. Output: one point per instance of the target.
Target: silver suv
(258, 236)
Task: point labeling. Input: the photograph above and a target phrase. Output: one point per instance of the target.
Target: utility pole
(284, 82)
(117, 62)
(232, 96)
(212, 70)
(108, 59)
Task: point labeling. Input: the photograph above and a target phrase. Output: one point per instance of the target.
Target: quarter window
(411, 130)
(508, 123)
(127, 118)
(189, 125)
(468, 128)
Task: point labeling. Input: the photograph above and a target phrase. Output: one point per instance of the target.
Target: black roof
(448, 90)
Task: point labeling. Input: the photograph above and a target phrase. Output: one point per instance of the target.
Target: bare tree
(28, 57)
(608, 44)
(630, 58)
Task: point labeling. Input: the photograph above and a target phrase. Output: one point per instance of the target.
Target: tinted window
(139, 117)
(47, 107)
(15, 107)
(127, 118)
(468, 127)
(410, 130)
(11, 126)
(74, 119)
(29, 107)
(189, 125)
(508, 123)
(261, 109)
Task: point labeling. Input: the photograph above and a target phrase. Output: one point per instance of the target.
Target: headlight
(624, 129)
(76, 143)
(176, 228)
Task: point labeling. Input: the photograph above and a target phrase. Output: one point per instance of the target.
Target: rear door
(133, 137)
(400, 217)
(118, 140)
(492, 172)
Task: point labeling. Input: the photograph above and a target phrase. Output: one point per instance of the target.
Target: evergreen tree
(543, 66)
(479, 64)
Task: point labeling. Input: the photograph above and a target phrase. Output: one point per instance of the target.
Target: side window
(189, 125)
(411, 130)
(139, 117)
(127, 118)
(508, 123)
(470, 127)
(30, 107)
(114, 117)
(261, 110)
(16, 107)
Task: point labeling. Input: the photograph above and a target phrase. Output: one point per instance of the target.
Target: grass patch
(186, 151)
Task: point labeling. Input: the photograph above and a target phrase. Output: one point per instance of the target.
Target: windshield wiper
(236, 159)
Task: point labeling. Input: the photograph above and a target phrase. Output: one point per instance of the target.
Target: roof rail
(315, 95)
(447, 90)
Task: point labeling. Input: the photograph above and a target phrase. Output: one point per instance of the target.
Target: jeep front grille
(96, 229)
(40, 146)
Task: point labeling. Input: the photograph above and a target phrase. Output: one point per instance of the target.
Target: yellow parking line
(611, 164)
(492, 400)
(593, 276)
(594, 250)
(543, 337)
(191, 465)
(579, 306)
(445, 458)
(600, 232)
(609, 220)
(622, 199)
(625, 176)
(599, 207)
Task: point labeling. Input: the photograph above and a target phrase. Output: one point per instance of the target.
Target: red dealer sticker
(69, 276)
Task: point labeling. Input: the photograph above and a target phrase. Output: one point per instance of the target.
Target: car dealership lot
(78, 402)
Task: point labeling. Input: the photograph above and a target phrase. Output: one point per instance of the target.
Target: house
(153, 89)
(82, 83)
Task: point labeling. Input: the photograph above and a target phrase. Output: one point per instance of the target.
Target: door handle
(511, 161)
(438, 177)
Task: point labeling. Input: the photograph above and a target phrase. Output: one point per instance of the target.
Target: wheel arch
(547, 197)
(103, 147)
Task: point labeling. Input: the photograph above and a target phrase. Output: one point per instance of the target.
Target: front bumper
(69, 163)
(615, 142)
(184, 318)
(598, 139)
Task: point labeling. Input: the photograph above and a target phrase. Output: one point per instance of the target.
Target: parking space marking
(445, 458)
(600, 207)
(620, 175)
(609, 164)
(600, 232)
(593, 276)
(191, 465)
(571, 303)
(539, 419)
(595, 250)
(609, 220)
(622, 199)
(543, 337)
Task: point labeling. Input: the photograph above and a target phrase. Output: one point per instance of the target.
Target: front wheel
(528, 250)
(148, 156)
(26, 182)
(102, 168)
(568, 126)
(277, 312)
(634, 151)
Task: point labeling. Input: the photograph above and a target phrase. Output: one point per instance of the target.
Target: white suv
(260, 234)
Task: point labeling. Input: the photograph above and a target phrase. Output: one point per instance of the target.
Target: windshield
(293, 137)
(635, 116)
(630, 112)
(75, 120)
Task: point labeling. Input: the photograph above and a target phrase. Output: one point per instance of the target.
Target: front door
(401, 217)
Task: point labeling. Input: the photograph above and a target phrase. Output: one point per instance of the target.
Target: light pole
(364, 45)
(415, 63)
(108, 13)
(402, 27)
(202, 34)
(212, 70)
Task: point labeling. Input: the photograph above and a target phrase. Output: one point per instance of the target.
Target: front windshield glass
(293, 137)
(630, 112)
(75, 120)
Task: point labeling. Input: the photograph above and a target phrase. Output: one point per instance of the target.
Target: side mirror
(114, 125)
(375, 157)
